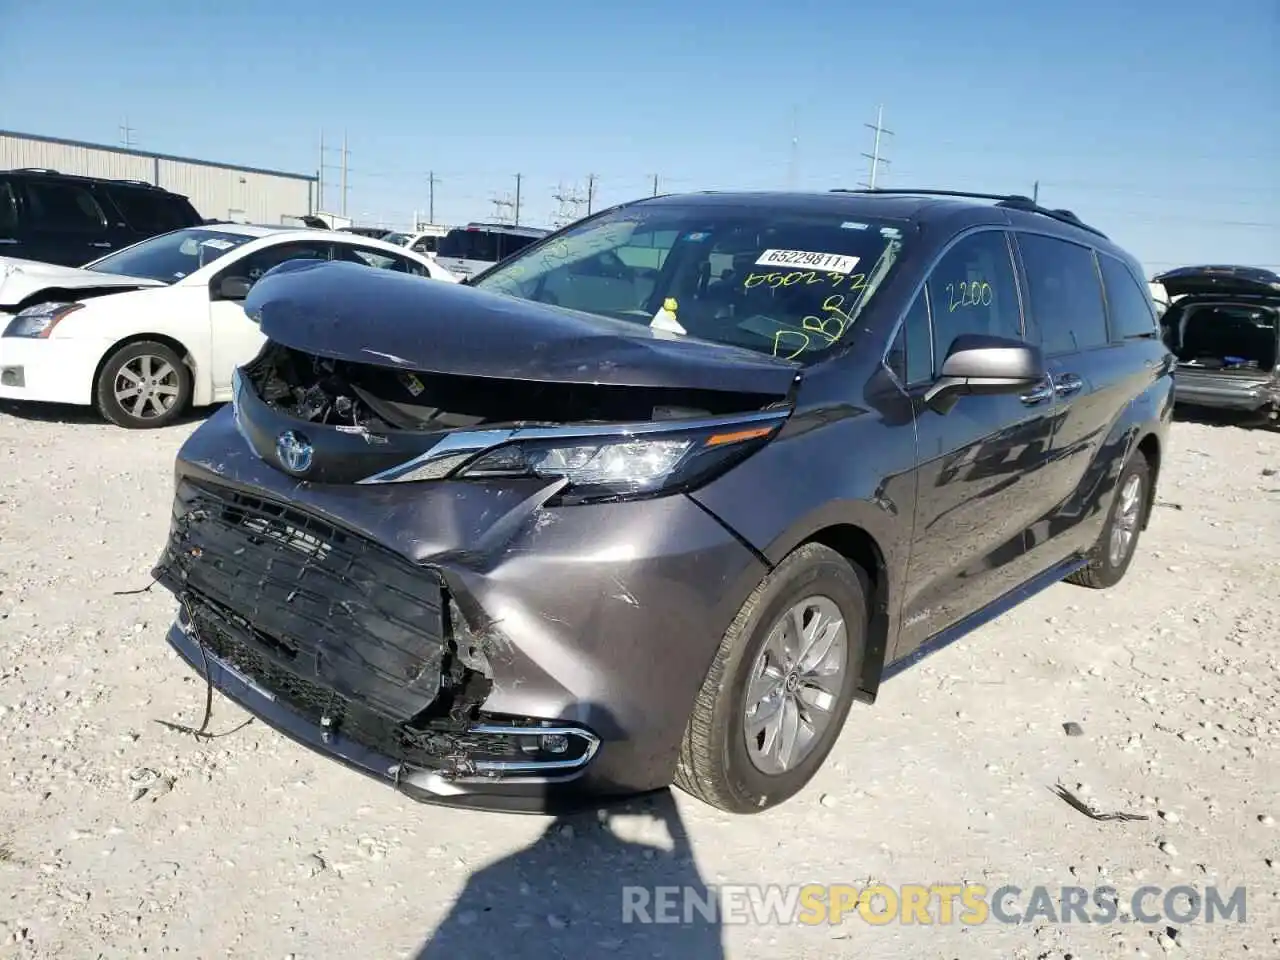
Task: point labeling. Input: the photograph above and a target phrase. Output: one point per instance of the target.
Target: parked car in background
(466, 251)
(1223, 323)
(152, 329)
(423, 241)
(69, 220)
(662, 495)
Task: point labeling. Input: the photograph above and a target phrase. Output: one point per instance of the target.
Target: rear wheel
(143, 385)
(1111, 555)
(784, 677)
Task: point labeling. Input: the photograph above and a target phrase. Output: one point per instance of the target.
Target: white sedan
(155, 328)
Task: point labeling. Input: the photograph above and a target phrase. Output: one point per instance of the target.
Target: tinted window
(973, 290)
(426, 244)
(151, 212)
(463, 244)
(170, 256)
(773, 279)
(64, 206)
(510, 243)
(1064, 294)
(8, 211)
(911, 358)
(1132, 309)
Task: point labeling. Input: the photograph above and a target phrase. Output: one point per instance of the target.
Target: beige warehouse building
(219, 191)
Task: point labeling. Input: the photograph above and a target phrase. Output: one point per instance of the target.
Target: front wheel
(784, 677)
(143, 385)
(1110, 557)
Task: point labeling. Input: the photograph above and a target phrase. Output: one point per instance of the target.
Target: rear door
(65, 223)
(1094, 376)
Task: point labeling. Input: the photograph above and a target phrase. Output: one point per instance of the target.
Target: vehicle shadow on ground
(74, 414)
(1210, 417)
(566, 895)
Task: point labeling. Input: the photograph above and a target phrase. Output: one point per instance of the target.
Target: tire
(715, 764)
(1105, 570)
(132, 360)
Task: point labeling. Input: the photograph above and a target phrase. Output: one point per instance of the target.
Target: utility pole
(432, 180)
(126, 134)
(874, 156)
(320, 176)
(1035, 192)
(591, 191)
(655, 184)
(345, 154)
(519, 177)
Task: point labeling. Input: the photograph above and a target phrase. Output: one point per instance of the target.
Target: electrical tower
(569, 205)
(126, 134)
(874, 155)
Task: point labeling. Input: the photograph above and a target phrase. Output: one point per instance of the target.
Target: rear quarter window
(1133, 311)
(8, 210)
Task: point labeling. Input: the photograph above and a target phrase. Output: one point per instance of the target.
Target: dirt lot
(120, 837)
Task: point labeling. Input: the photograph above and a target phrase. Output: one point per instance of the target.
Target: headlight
(39, 321)
(606, 468)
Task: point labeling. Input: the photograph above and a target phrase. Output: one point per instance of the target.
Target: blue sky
(1158, 122)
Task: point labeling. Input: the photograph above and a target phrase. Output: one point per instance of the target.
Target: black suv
(69, 220)
(663, 494)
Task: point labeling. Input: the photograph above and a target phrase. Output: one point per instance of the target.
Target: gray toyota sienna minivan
(663, 495)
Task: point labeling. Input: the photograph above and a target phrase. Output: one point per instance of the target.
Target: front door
(235, 338)
(979, 463)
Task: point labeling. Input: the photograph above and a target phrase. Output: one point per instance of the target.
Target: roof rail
(138, 183)
(1012, 201)
(33, 170)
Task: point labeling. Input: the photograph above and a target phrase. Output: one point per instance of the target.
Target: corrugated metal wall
(227, 193)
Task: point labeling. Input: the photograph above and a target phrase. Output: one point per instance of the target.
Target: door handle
(1067, 384)
(1038, 394)
(100, 244)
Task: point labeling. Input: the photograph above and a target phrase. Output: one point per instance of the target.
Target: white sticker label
(217, 244)
(805, 260)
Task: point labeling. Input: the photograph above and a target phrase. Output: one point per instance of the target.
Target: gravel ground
(122, 838)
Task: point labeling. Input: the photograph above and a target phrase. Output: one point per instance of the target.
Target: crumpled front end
(337, 640)
(488, 638)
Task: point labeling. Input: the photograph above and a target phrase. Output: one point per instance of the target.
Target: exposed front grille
(324, 605)
(423, 747)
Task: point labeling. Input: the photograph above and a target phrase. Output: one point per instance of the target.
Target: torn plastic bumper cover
(345, 646)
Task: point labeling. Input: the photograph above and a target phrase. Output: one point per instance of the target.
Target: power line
(570, 202)
(874, 155)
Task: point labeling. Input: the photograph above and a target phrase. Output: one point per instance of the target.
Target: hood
(1220, 281)
(20, 279)
(349, 312)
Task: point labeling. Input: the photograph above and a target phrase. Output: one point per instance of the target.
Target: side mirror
(234, 288)
(979, 364)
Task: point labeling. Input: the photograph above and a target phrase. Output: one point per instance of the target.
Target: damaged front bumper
(460, 640)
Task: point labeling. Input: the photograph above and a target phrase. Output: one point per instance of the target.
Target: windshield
(170, 256)
(787, 284)
(399, 239)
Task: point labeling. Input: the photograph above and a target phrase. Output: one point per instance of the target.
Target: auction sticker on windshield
(806, 260)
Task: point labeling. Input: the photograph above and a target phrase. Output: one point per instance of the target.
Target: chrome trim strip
(478, 441)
